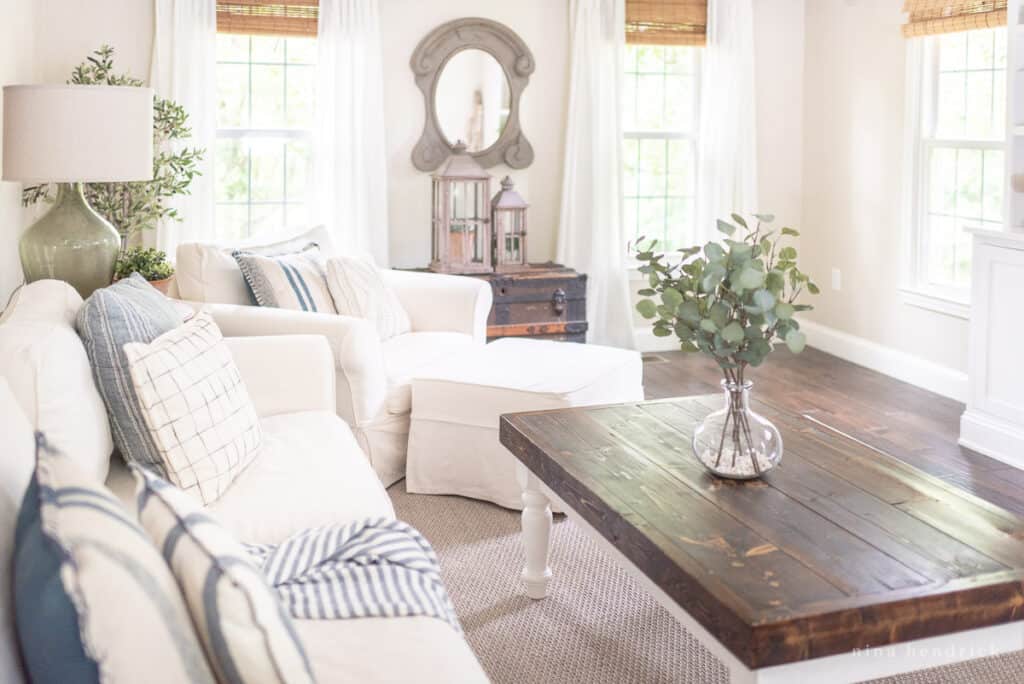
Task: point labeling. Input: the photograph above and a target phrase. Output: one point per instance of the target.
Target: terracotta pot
(164, 285)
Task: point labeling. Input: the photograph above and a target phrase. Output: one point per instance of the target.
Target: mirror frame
(427, 63)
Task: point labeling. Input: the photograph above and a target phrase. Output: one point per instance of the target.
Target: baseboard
(892, 362)
(993, 437)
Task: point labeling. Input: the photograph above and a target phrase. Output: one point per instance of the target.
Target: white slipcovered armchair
(448, 314)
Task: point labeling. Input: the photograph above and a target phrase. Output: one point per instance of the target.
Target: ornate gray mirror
(471, 73)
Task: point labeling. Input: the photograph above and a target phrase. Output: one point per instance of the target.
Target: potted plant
(149, 263)
(732, 300)
(136, 206)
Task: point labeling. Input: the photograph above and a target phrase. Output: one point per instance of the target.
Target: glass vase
(734, 442)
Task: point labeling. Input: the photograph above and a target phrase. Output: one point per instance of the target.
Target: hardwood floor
(907, 422)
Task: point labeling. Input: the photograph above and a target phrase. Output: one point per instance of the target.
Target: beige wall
(853, 148)
(16, 31)
(543, 25)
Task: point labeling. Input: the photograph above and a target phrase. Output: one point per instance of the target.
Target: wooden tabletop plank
(841, 547)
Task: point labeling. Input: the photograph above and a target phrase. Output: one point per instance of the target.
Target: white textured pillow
(359, 291)
(288, 281)
(196, 407)
(248, 635)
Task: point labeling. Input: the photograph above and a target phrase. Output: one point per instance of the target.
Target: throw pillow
(358, 290)
(130, 310)
(196, 407)
(248, 636)
(287, 281)
(93, 599)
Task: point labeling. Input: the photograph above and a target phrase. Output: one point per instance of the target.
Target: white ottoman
(453, 438)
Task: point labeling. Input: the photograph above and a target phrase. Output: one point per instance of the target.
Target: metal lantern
(508, 223)
(460, 213)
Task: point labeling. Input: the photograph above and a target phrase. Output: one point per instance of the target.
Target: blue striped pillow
(288, 281)
(130, 310)
(93, 599)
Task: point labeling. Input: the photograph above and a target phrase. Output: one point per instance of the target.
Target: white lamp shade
(77, 133)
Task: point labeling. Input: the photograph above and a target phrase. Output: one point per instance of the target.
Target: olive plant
(136, 206)
(731, 300)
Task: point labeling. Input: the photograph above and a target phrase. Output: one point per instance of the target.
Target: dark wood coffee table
(843, 564)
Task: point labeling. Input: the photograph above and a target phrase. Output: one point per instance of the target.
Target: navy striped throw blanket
(369, 568)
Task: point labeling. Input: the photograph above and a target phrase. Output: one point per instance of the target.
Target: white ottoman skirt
(453, 437)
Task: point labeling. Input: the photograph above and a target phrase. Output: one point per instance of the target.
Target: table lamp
(74, 134)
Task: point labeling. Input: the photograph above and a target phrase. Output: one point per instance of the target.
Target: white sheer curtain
(727, 178)
(591, 236)
(183, 69)
(350, 189)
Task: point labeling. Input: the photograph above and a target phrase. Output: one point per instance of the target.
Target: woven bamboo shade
(666, 22)
(930, 17)
(268, 17)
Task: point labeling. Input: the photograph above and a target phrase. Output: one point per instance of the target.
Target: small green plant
(149, 263)
(731, 300)
(133, 207)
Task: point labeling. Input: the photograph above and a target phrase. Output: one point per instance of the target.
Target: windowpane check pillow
(247, 634)
(287, 281)
(196, 407)
(94, 601)
(359, 291)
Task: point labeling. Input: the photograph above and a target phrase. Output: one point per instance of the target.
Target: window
(661, 91)
(960, 174)
(264, 129)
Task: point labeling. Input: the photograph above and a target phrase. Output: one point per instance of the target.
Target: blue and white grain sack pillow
(247, 634)
(94, 601)
(288, 281)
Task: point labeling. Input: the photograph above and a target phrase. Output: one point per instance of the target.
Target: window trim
(922, 112)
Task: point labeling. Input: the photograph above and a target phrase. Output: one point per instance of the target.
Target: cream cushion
(456, 405)
(310, 472)
(196, 407)
(206, 272)
(358, 290)
(47, 370)
(407, 355)
(410, 649)
(15, 472)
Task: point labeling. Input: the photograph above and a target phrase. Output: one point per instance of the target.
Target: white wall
(544, 27)
(853, 147)
(16, 66)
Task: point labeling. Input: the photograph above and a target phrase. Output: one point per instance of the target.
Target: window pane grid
(264, 136)
(962, 161)
(659, 146)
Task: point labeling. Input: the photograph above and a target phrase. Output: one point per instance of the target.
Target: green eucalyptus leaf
(708, 325)
(646, 292)
(812, 288)
(764, 299)
(790, 231)
(740, 220)
(787, 253)
(752, 279)
(712, 278)
(774, 281)
(726, 227)
(662, 332)
(733, 333)
(714, 251)
(688, 347)
(796, 341)
(671, 298)
(719, 314)
(765, 218)
(784, 311)
(647, 308)
(689, 313)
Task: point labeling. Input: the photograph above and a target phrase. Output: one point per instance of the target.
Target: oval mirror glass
(472, 99)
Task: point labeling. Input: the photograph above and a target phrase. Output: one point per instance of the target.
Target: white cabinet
(994, 420)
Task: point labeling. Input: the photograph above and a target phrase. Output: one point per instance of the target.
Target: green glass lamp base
(71, 242)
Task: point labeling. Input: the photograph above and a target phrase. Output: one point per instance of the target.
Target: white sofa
(310, 472)
(448, 314)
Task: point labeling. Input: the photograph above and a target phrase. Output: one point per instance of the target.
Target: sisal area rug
(597, 625)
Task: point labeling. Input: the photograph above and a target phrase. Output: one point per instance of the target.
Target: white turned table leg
(536, 535)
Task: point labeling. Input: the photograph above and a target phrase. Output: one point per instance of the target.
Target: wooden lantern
(508, 224)
(461, 221)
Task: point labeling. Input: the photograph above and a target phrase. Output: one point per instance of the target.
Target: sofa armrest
(435, 301)
(361, 381)
(286, 373)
